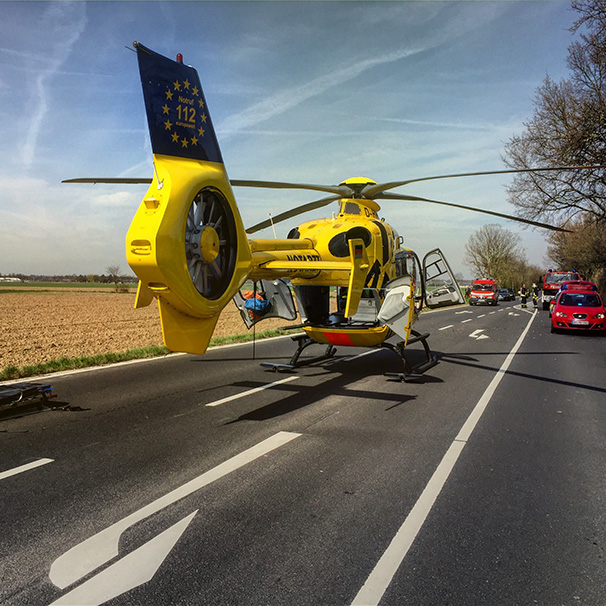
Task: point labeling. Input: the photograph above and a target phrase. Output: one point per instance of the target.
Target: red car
(578, 310)
(572, 285)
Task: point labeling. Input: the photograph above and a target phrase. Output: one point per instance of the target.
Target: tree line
(69, 278)
(567, 128)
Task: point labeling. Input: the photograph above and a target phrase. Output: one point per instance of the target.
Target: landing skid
(412, 373)
(303, 341)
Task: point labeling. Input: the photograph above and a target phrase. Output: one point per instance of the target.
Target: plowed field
(37, 327)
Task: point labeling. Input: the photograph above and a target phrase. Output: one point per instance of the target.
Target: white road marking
(468, 311)
(492, 312)
(65, 373)
(132, 570)
(103, 546)
(463, 321)
(477, 334)
(361, 355)
(481, 315)
(377, 583)
(13, 472)
(445, 327)
(250, 391)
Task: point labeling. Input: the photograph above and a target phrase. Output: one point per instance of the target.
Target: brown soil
(38, 327)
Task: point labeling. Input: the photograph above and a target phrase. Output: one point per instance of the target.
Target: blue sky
(298, 91)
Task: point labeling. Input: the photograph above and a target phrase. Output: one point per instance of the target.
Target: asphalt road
(209, 480)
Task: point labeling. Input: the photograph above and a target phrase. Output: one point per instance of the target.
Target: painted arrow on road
(133, 570)
(477, 334)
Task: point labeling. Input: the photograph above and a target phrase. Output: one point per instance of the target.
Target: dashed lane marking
(13, 472)
(251, 391)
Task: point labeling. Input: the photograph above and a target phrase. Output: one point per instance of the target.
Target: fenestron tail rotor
(211, 244)
(186, 242)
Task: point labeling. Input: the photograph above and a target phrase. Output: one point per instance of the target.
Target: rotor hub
(209, 244)
(356, 185)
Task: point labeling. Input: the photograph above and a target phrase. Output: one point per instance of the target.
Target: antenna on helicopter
(272, 225)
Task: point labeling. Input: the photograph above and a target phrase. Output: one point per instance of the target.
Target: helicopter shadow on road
(302, 396)
(468, 360)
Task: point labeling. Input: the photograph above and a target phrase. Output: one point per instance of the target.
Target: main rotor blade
(370, 191)
(342, 191)
(293, 212)
(383, 196)
(121, 180)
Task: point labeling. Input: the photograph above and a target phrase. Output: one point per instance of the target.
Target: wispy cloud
(67, 21)
(291, 97)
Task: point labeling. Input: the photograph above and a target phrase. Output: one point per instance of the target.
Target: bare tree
(584, 250)
(494, 252)
(114, 273)
(568, 128)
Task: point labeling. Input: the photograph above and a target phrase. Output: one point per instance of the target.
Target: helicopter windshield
(351, 208)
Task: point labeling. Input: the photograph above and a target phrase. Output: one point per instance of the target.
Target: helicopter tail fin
(186, 243)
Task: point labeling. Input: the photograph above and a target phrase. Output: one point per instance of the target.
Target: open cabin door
(267, 299)
(398, 309)
(441, 288)
(403, 295)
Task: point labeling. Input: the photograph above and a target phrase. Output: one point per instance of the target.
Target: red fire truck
(551, 282)
(483, 292)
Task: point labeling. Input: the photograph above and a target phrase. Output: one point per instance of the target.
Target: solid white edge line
(250, 391)
(381, 576)
(16, 470)
(78, 371)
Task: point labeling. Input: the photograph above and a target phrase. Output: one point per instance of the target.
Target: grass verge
(66, 363)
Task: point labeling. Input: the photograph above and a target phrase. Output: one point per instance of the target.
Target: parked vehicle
(443, 296)
(578, 310)
(572, 285)
(551, 283)
(484, 292)
(505, 294)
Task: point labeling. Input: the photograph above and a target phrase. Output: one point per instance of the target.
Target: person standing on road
(524, 294)
(535, 296)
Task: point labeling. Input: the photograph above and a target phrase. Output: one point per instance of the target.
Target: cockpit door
(271, 299)
(441, 288)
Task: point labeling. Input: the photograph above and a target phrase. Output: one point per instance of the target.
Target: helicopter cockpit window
(406, 264)
(350, 208)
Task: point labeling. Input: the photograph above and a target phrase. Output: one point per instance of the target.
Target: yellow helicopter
(355, 283)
